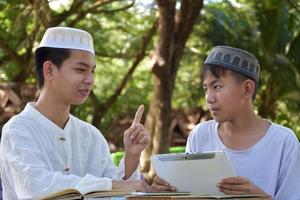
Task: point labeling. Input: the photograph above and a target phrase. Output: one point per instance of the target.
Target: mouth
(213, 110)
(84, 92)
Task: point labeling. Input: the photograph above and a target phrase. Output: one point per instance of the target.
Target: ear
(249, 87)
(48, 70)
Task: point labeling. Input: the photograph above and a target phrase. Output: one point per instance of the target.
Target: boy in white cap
(45, 149)
(260, 151)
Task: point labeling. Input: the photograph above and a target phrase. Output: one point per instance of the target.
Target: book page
(108, 193)
(161, 193)
(68, 194)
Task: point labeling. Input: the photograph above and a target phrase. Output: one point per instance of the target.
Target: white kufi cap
(67, 38)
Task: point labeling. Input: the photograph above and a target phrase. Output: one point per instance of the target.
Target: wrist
(135, 155)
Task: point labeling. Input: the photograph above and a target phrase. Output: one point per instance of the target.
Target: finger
(157, 187)
(144, 140)
(162, 185)
(234, 180)
(138, 115)
(129, 131)
(233, 187)
(148, 188)
(232, 192)
(140, 134)
(160, 181)
(134, 130)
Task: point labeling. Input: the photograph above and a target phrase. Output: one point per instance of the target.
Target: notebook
(197, 173)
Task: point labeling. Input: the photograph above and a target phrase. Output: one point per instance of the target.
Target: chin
(78, 102)
(219, 119)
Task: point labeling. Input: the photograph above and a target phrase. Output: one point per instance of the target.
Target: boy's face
(73, 81)
(224, 96)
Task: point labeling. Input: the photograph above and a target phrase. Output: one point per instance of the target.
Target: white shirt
(38, 158)
(266, 163)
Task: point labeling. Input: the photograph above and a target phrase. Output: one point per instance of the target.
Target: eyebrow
(213, 82)
(85, 64)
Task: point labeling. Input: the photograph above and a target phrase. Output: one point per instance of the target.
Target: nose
(210, 97)
(89, 79)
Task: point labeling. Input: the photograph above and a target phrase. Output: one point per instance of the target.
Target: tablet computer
(197, 173)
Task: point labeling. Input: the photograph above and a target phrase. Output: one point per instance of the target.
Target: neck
(56, 111)
(244, 122)
(243, 132)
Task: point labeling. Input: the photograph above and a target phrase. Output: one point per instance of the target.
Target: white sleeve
(191, 141)
(188, 148)
(290, 187)
(23, 168)
(117, 173)
(120, 173)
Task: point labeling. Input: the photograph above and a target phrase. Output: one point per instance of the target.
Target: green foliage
(117, 42)
(269, 29)
(135, 93)
(116, 157)
(178, 149)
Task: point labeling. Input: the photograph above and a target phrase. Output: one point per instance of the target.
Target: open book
(73, 194)
(162, 193)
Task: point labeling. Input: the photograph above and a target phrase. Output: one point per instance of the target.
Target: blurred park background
(150, 52)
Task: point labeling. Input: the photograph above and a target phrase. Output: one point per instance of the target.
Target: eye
(217, 87)
(205, 89)
(80, 69)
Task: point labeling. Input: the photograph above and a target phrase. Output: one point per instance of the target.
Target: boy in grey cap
(262, 153)
(45, 149)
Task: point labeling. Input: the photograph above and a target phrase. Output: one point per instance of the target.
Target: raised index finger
(138, 115)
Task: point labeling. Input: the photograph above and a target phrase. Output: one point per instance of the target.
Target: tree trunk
(267, 106)
(175, 27)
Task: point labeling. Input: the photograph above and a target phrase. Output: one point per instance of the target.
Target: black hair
(56, 55)
(218, 72)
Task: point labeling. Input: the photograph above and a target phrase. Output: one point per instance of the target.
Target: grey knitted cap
(235, 59)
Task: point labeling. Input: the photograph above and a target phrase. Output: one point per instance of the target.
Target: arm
(161, 185)
(135, 140)
(239, 185)
(136, 185)
(24, 168)
(290, 187)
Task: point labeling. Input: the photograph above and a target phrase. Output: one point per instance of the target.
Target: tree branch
(95, 9)
(139, 57)
(31, 39)
(113, 10)
(9, 52)
(94, 98)
(102, 108)
(163, 51)
(99, 3)
(116, 55)
(185, 20)
(294, 5)
(43, 11)
(75, 8)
